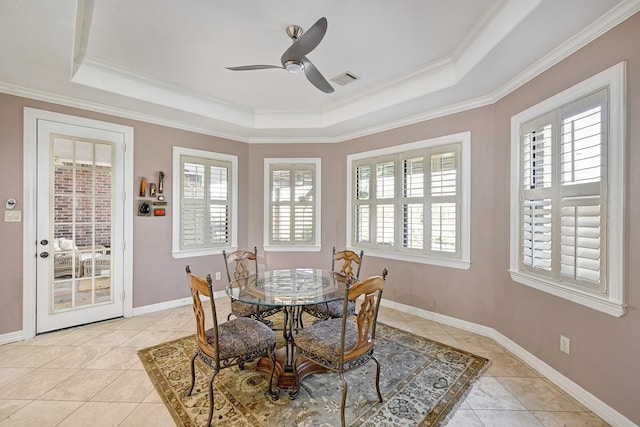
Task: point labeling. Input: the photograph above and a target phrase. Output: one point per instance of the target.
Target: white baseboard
(152, 308)
(11, 337)
(440, 318)
(597, 406)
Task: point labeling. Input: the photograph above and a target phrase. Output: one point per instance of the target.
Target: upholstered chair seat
(331, 310)
(324, 339)
(243, 309)
(241, 337)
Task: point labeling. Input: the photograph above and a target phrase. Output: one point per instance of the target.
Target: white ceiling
(163, 61)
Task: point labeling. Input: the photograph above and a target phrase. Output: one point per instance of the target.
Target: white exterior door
(80, 222)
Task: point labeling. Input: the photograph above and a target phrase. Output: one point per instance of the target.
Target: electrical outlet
(217, 275)
(565, 344)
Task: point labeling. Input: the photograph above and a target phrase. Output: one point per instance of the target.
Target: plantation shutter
(293, 204)
(205, 207)
(583, 180)
(537, 212)
(563, 199)
(413, 172)
(362, 214)
(409, 202)
(444, 202)
(385, 207)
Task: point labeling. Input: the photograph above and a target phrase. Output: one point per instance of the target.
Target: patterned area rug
(421, 382)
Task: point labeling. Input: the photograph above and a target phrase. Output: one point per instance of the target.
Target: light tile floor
(91, 375)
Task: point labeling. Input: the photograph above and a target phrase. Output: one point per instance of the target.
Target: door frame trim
(30, 174)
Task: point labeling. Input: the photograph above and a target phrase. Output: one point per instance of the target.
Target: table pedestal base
(285, 379)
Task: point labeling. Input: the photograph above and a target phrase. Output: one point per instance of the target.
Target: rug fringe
(465, 393)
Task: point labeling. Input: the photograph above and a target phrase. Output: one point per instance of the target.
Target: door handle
(44, 242)
(44, 254)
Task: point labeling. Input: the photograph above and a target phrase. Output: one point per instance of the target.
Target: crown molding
(614, 17)
(95, 107)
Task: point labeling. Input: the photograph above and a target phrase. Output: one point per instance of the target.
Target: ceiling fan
(294, 59)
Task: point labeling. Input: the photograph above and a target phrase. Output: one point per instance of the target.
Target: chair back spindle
(348, 259)
(366, 317)
(199, 287)
(242, 263)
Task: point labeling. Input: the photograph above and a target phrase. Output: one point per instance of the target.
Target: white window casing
(204, 205)
(567, 193)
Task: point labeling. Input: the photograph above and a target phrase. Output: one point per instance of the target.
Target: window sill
(292, 248)
(603, 304)
(402, 256)
(200, 252)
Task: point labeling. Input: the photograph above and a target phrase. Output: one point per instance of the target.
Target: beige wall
(10, 233)
(604, 350)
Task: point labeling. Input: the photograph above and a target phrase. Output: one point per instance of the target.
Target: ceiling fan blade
(315, 77)
(307, 41)
(252, 67)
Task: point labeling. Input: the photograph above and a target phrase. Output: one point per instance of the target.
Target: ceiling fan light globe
(294, 67)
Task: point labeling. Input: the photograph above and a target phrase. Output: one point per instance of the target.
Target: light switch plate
(12, 216)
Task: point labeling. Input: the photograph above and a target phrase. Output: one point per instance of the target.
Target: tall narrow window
(205, 203)
(205, 208)
(292, 203)
(408, 202)
(569, 168)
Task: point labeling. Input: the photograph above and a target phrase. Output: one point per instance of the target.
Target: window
(204, 206)
(411, 202)
(292, 201)
(567, 194)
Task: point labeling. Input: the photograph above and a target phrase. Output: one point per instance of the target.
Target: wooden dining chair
(240, 264)
(350, 264)
(228, 344)
(342, 344)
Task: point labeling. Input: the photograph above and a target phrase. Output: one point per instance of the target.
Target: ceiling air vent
(345, 78)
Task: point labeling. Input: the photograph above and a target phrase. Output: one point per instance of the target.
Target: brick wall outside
(89, 194)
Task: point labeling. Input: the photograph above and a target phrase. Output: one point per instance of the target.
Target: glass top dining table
(289, 287)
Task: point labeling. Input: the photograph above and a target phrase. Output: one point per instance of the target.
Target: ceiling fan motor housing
(294, 67)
